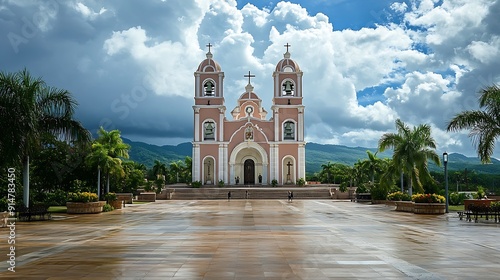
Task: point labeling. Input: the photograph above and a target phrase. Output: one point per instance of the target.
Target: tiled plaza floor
(254, 239)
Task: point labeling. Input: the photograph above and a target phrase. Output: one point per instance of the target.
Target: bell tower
(288, 117)
(209, 111)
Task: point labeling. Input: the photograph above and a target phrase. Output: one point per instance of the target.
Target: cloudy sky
(130, 64)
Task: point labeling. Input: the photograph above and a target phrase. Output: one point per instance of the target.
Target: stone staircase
(239, 193)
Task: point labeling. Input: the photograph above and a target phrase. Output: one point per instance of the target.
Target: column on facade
(302, 162)
(221, 123)
(221, 168)
(197, 85)
(232, 178)
(225, 161)
(196, 163)
(196, 124)
(300, 134)
(276, 125)
(264, 174)
(274, 161)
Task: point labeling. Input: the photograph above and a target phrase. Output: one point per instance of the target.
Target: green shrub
(480, 193)
(111, 196)
(221, 183)
(82, 197)
(56, 198)
(301, 182)
(274, 182)
(196, 184)
(457, 198)
(398, 196)
(107, 208)
(378, 192)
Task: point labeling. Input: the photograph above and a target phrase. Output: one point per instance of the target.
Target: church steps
(254, 193)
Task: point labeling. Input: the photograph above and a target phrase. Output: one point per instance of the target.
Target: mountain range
(316, 155)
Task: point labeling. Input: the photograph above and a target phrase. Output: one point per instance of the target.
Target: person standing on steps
(228, 195)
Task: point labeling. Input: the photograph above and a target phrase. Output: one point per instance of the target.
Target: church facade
(254, 147)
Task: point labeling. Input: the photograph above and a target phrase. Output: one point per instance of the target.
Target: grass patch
(139, 202)
(456, 207)
(57, 209)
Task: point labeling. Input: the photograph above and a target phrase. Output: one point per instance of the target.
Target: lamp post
(445, 160)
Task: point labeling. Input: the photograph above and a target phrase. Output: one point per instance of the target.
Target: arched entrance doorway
(249, 172)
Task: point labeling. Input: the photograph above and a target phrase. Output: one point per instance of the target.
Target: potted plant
(301, 182)
(274, 182)
(83, 203)
(480, 199)
(112, 200)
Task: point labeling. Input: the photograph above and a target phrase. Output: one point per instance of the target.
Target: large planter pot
(429, 208)
(84, 207)
(477, 202)
(404, 206)
(390, 203)
(117, 204)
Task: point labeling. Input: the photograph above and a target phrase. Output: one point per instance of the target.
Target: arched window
(209, 130)
(209, 88)
(289, 130)
(288, 88)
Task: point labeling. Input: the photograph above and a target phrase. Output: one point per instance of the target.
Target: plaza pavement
(254, 239)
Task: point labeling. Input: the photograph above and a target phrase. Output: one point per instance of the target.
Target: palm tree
(29, 111)
(175, 169)
(159, 168)
(188, 168)
(412, 148)
(100, 157)
(115, 149)
(372, 165)
(328, 170)
(484, 124)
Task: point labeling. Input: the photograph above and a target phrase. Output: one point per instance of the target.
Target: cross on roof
(287, 45)
(209, 45)
(249, 76)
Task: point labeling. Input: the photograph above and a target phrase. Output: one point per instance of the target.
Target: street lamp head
(445, 157)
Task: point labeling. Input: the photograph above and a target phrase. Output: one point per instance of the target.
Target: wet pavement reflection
(254, 239)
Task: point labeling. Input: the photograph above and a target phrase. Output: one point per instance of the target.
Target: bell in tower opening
(209, 88)
(288, 131)
(209, 130)
(288, 88)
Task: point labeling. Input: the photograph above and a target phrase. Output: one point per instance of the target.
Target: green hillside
(316, 155)
(147, 153)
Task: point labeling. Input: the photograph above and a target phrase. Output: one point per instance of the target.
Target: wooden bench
(363, 197)
(477, 211)
(40, 211)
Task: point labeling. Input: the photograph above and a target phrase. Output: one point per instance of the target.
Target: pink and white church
(252, 148)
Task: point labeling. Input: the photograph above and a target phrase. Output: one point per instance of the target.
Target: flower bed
(83, 203)
(398, 196)
(428, 198)
(404, 206)
(84, 207)
(429, 208)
